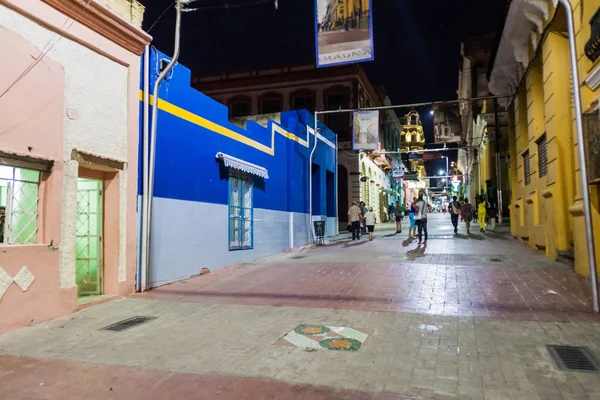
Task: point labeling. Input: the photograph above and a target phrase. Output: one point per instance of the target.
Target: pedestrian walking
(354, 217)
(363, 211)
(467, 213)
(392, 213)
(481, 214)
(370, 220)
(421, 218)
(455, 212)
(412, 227)
(398, 215)
(491, 216)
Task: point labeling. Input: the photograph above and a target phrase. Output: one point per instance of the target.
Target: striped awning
(241, 165)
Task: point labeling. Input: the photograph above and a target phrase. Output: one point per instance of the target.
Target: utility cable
(160, 16)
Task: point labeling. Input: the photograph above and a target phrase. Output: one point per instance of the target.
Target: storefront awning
(244, 166)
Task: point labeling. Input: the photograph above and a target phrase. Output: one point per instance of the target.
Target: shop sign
(398, 174)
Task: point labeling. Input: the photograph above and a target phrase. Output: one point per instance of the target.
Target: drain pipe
(587, 213)
(141, 278)
(161, 77)
(310, 207)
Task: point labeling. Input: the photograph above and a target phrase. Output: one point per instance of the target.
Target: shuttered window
(542, 156)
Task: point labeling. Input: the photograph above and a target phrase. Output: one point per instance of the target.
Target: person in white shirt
(370, 220)
(421, 218)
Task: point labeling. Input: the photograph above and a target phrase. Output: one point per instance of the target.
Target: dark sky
(417, 42)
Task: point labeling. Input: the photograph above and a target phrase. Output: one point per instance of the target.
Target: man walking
(455, 212)
(398, 215)
(363, 210)
(354, 217)
(421, 218)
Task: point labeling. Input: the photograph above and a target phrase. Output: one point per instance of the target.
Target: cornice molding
(104, 22)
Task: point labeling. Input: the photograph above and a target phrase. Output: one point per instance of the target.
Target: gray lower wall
(188, 236)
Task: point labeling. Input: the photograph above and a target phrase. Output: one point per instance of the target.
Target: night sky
(417, 42)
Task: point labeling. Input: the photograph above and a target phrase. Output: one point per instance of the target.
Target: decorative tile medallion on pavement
(318, 337)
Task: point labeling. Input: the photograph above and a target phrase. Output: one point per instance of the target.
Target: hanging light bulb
(277, 4)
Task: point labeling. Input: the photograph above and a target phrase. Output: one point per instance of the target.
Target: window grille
(241, 211)
(18, 205)
(542, 156)
(527, 167)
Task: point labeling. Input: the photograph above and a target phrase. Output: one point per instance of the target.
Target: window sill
(242, 249)
(16, 246)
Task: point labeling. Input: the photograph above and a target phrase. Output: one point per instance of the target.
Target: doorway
(89, 237)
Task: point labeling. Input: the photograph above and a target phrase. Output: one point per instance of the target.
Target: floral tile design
(319, 337)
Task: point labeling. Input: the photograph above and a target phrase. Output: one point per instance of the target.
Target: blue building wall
(190, 218)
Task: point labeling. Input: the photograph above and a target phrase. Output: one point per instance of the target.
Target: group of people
(362, 219)
(486, 214)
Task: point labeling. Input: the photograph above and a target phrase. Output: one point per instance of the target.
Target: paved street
(463, 318)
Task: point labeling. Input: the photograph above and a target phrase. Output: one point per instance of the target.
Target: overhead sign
(412, 176)
(343, 32)
(415, 185)
(365, 130)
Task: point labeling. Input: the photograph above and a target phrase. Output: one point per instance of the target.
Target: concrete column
(67, 257)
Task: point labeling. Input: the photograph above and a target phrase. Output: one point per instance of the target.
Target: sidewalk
(463, 318)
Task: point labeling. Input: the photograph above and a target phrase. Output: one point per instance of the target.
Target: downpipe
(310, 158)
(587, 213)
(152, 150)
(141, 277)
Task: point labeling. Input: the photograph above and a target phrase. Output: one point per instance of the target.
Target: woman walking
(467, 214)
(370, 220)
(482, 214)
(412, 228)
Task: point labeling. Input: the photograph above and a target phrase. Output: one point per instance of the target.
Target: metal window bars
(21, 212)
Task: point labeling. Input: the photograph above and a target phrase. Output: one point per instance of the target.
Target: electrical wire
(45, 50)
(160, 16)
(228, 6)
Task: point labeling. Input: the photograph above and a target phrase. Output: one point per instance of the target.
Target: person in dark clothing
(455, 212)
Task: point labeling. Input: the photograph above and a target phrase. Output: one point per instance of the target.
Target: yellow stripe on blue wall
(221, 130)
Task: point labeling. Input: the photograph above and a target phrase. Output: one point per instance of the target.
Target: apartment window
(239, 109)
(338, 122)
(303, 103)
(271, 106)
(542, 156)
(241, 211)
(527, 167)
(18, 205)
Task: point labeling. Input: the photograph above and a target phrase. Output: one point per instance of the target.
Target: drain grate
(297, 257)
(495, 260)
(127, 323)
(569, 358)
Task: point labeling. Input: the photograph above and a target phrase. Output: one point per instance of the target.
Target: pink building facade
(69, 123)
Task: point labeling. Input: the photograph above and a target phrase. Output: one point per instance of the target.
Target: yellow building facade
(546, 207)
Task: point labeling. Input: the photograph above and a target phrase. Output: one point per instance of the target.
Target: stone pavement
(464, 318)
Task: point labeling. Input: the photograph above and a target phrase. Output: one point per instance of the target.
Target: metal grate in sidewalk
(569, 358)
(127, 324)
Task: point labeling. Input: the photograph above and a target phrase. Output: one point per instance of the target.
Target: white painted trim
(593, 79)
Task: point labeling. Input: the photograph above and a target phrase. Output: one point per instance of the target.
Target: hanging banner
(447, 125)
(343, 31)
(365, 130)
